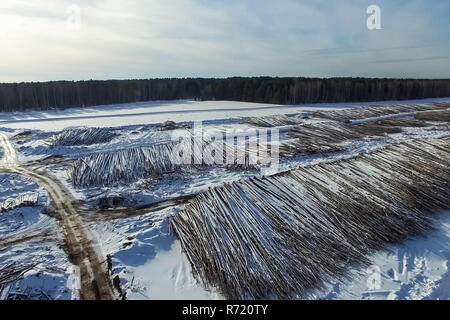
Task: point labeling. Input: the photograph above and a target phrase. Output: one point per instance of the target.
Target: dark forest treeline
(64, 94)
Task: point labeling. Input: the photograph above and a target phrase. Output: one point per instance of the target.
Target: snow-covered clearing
(145, 254)
(160, 111)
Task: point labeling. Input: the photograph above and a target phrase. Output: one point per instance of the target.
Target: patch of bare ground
(92, 215)
(44, 234)
(50, 160)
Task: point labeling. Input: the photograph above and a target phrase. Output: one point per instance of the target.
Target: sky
(45, 40)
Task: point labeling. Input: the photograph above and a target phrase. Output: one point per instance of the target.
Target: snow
(145, 254)
(170, 277)
(153, 266)
(27, 236)
(21, 219)
(160, 111)
(53, 278)
(148, 258)
(189, 181)
(415, 270)
(137, 113)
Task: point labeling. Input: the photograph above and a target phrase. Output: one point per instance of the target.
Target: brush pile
(13, 272)
(10, 275)
(24, 200)
(281, 235)
(82, 136)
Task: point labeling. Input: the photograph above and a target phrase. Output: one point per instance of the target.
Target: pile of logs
(82, 136)
(281, 235)
(346, 115)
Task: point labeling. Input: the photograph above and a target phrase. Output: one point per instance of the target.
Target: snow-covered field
(154, 112)
(145, 254)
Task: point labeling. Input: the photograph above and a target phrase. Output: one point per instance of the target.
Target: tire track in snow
(94, 278)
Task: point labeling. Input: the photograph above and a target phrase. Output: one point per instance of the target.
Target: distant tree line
(65, 94)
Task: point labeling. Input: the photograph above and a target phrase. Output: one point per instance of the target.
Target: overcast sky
(116, 39)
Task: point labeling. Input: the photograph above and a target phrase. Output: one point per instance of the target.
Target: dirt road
(94, 278)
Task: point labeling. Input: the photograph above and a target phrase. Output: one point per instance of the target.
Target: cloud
(404, 60)
(179, 38)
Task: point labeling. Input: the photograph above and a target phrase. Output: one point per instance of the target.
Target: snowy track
(95, 282)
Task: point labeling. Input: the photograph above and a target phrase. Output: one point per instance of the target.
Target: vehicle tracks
(94, 278)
